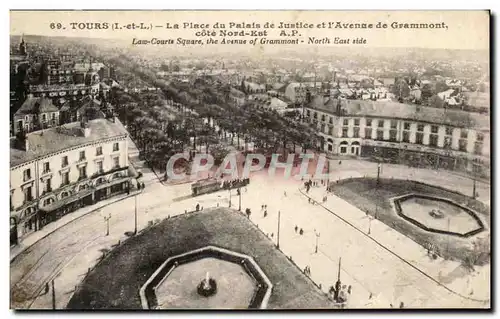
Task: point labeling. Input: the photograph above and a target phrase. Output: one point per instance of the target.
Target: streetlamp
(369, 224)
(53, 295)
(378, 173)
(135, 215)
(317, 238)
(278, 233)
(229, 197)
(239, 194)
(106, 219)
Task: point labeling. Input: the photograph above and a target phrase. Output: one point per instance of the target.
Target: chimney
(85, 128)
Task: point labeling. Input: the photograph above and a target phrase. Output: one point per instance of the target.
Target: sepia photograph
(265, 160)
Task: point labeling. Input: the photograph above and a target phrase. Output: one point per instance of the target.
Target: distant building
(58, 170)
(35, 114)
(403, 133)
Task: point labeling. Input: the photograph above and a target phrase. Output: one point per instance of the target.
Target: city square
(155, 180)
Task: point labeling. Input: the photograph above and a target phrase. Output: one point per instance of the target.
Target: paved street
(377, 271)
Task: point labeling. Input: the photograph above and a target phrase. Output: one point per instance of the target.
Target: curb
(70, 221)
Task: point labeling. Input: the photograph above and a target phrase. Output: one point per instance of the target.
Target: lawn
(115, 282)
(376, 201)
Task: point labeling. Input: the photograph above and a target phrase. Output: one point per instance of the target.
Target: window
(116, 161)
(308, 113)
(346, 122)
(381, 123)
(314, 116)
(98, 151)
(344, 132)
(28, 195)
(330, 130)
(407, 126)
(406, 137)
(323, 117)
(99, 166)
(393, 135)
(464, 134)
(44, 117)
(420, 127)
(368, 132)
(434, 129)
(48, 185)
(480, 137)
(65, 178)
(64, 161)
(46, 167)
(394, 124)
(82, 170)
(356, 122)
(433, 140)
(447, 142)
(380, 135)
(449, 131)
(369, 123)
(322, 128)
(27, 174)
(419, 138)
(82, 155)
(116, 147)
(478, 148)
(356, 132)
(462, 145)
(331, 120)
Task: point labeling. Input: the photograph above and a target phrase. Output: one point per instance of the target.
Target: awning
(67, 200)
(112, 183)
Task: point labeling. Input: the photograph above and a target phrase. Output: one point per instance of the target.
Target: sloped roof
(36, 105)
(59, 138)
(389, 109)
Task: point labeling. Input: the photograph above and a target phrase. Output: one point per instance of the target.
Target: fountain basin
(236, 282)
(438, 215)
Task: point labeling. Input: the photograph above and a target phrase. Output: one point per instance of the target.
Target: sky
(464, 29)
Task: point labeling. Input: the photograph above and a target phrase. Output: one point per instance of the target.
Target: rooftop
(36, 105)
(42, 143)
(389, 109)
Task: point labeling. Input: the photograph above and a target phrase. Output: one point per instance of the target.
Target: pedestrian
(301, 231)
(197, 207)
(285, 193)
(401, 305)
(272, 235)
(309, 199)
(46, 288)
(340, 162)
(370, 296)
(296, 228)
(265, 213)
(349, 289)
(262, 208)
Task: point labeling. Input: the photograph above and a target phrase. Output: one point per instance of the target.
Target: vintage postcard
(250, 160)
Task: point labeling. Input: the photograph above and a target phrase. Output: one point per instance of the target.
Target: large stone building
(58, 170)
(402, 133)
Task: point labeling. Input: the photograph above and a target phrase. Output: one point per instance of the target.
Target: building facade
(58, 170)
(405, 134)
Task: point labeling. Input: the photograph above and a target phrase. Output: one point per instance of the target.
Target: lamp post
(106, 219)
(230, 197)
(369, 224)
(135, 215)
(53, 295)
(278, 234)
(239, 194)
(378, 173)
(317, 238)
(474, 188)
(338, 284)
